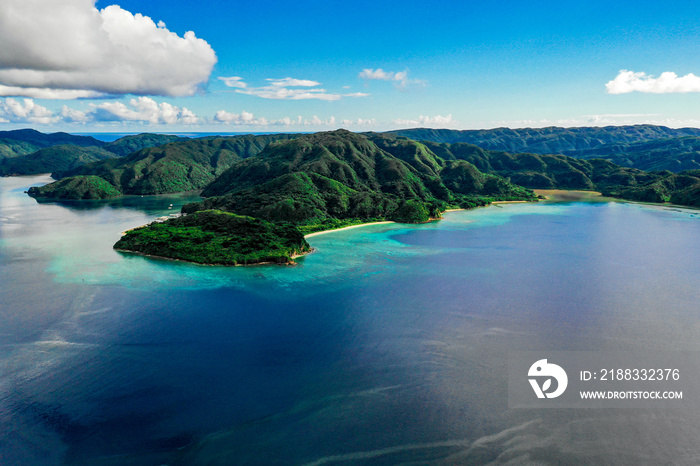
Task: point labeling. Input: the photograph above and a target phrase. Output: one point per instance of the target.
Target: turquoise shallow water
(387, 345)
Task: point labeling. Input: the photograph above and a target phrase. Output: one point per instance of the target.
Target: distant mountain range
(29, 152)
(550, 140)
(184, 165)
(166, 164)
(646, 147)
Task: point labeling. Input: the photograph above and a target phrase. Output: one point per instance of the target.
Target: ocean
(387, 345)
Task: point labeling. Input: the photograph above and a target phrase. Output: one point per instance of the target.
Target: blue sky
(134, 66)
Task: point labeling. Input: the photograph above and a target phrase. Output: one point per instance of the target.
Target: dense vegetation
(25, 141)
(51, 159)
(542, 171)
(76, 187)
(183, 165)
(676, 155)
(315, 182)
(551, 140)
(132, 143)
(29, 152)
(215, 237)
(645, 147)
(679, 188)
(323, 177)
(538, 171)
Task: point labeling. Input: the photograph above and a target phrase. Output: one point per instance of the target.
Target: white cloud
(234, 81)
(400, 78)
(286, 89)
(316, 121)
(46, 93)
(25, 111)
(248, 119)
(438, 121)
(356, 94)
(669, 82)
(381, 75)
(239, 119)
(69, 48)
(291, 82)
(142, 109)
(616, 118)
(359, 122)
(71, 115)
(290, 89)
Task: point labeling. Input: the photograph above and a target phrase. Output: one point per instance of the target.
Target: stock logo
(541, 375)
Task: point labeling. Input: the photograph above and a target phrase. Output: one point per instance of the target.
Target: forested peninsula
(312, 183)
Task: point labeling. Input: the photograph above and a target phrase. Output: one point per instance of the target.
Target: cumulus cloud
(381, 75)
(400, 79)
(669, 82)
(70, 49)
(316, 121)
(142, 109)
(426, 121)
(25, 111)
(248, 119)
(239, 119)
(359, 122)
(286, 89)
(71, 115)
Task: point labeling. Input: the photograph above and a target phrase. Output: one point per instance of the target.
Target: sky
(239, 66)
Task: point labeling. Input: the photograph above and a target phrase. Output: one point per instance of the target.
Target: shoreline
(322, 232)
(568, 194)
(316, 233)
(153, 256)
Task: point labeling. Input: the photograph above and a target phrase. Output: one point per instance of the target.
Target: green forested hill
(544, 171)
(645, 147)
(678, 188)
(215, 237)
(52, 159)
(29, 152)
(310, 183)
(342, 175)
(25, 141)
(183, 165)
(676, 155)
(551, 140)
(76, 188)
(130, 144)
(353, 175)
(541, 171)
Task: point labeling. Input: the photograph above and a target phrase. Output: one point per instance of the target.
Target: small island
(213, 237)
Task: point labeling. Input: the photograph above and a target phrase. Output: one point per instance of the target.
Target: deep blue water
(388, 345)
